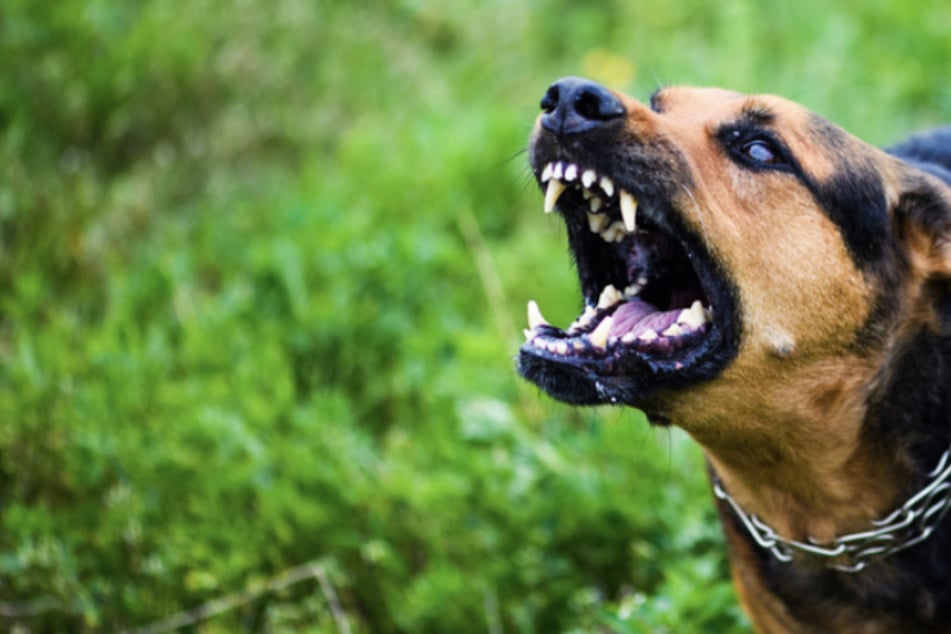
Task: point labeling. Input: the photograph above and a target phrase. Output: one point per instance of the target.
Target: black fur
(929, 152)
(910, 412)
(854, 199)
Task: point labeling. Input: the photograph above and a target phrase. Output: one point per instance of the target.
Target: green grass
(263, 269)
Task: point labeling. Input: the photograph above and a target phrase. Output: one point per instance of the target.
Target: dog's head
(720, 238)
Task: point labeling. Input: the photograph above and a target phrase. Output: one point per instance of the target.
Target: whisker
(698, 211)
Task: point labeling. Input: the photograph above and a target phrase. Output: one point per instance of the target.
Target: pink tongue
(636, 316)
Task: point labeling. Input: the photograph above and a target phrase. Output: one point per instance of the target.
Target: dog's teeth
(629, 338)
(629, 211)
(586, 194)
(558, 171)
(692, 317)
(535, 318)
(585, 318)
(608, 235)
(561, 348)
(599, 336)
(607, 185)
(596, 203)
(555, 189)
(647, 335)
(614, 233)
(588, 178)
(597, 222)
(571, 172)
(675, 330)
(546, 173)
(609, 297)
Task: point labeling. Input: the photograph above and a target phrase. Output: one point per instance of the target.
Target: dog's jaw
(659, 313)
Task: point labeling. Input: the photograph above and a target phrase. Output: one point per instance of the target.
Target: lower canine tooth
(609, 297)
(629, 211)
(599, 336)
(555, 189)
(535, 318)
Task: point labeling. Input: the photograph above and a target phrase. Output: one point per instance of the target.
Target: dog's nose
(574, 105)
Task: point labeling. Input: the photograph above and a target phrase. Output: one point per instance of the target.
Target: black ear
(923, 214)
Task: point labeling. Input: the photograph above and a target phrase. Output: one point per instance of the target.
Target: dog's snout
(572, 105)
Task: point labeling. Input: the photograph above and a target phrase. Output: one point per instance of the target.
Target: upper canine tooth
(629, 211)
(599, 336)
(546, 173)
(535, 318)
(555, 189)
(588, 178)
(571, 172)
(597, 222)
(609, 297)
(607, 185)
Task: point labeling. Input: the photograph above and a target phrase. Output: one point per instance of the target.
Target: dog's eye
(762, 151)
(755, 148)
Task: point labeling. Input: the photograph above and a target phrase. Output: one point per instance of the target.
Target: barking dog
(781, 291)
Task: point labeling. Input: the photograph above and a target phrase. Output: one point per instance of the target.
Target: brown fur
(785, 425)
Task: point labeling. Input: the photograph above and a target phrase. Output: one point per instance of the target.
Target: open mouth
(657, 313)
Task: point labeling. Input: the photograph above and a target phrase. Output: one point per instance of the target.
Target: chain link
(910, 524)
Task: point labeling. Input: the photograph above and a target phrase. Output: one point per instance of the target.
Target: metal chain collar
(910, 524)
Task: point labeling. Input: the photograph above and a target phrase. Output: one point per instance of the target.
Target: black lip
(626, 374)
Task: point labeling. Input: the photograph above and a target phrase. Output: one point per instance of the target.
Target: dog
(780, 290)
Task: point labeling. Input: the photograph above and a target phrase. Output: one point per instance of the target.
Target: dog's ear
(923, 214)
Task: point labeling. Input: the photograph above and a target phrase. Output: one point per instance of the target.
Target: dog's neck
(797, 456)
(818, 462)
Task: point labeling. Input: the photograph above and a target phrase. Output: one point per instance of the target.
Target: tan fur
(836, 257)
(781, 425)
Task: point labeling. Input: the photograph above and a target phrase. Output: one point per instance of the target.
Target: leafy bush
(262, 273)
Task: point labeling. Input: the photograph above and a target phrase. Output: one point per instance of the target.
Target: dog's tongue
(637, 316)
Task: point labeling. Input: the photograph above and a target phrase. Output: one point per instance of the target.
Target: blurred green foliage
(262, 273)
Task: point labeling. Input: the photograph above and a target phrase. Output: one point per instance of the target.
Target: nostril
(590, 105)
(550, 100)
